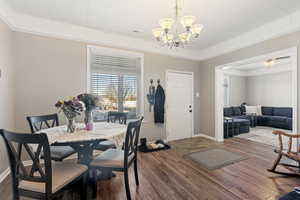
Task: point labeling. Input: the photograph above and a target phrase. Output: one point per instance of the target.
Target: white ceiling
(222, 19)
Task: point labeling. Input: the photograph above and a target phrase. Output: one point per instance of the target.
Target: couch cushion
(228, 112)
(267, 110)
(285, 112)
(278, 119)
(62, 174)
(238, 122)
(236, 111)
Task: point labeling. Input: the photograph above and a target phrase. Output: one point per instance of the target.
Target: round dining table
(83, 141)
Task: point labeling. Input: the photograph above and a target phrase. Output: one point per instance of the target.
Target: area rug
(264, 135)
(215, 158)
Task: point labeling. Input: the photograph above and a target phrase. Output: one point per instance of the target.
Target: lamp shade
(196, 29)
(157, 32)
(166, 23)
(184, 37)
(187, 21)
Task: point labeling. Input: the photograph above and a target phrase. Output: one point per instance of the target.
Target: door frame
(168, 71)
(219, 90)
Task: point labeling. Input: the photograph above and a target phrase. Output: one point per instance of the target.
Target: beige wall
(207, 76)
(264, 89)
(6, 88)
(237, 90)
(48, 69)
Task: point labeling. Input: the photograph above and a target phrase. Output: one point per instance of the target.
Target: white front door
(179, 104)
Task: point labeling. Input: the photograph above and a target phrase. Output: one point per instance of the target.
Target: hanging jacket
(159, 105)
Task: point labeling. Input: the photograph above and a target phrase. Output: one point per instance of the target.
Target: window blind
(115, 81)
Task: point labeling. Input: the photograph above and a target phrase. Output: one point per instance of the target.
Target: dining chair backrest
(132, 138)
(115, 117)
(16, 143)
(38, 123)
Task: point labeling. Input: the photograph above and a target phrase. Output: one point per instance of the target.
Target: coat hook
(158, 81)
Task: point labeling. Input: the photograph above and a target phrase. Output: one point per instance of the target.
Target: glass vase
(88, 120)
(71, 125)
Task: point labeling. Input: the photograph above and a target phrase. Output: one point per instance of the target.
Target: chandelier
(177, 32)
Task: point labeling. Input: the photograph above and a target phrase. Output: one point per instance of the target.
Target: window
(117, 81)
(116, 92)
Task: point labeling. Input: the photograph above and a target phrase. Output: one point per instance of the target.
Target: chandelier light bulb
(196, 29)
(167, 38)
(187, 21)
(166, 23)
(184, 37)
(157, 33)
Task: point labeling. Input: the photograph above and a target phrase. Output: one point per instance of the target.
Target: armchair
(288, 153)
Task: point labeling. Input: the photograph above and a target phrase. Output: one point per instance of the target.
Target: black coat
(159, 105)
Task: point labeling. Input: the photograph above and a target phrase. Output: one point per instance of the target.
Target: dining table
(84, 141)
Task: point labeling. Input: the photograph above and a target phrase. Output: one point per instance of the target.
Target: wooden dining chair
(38, 123)
(121, 160)
(39, 181)
(112, 117)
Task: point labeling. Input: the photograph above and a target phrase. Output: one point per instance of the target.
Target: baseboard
(6, 172)
(205, 136)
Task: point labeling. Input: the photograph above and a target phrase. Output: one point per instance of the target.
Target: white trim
(259, 71)
(193, 104)
(205, 136)
(112, 51)
(219, 91)
(35, 25)
(4, 174)
(288, 24)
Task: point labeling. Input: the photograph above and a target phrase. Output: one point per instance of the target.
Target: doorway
(179, 105)
(290, 53)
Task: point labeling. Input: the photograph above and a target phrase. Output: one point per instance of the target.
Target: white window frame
(116, 52)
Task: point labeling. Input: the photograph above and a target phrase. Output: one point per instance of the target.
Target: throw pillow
(251, 109)
(259, 110)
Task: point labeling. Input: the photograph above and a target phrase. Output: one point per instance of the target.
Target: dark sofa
(241, 121)
(277, 117)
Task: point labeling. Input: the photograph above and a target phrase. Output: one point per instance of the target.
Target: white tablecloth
(102, 130)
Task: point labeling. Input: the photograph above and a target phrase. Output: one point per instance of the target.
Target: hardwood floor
(168, 175)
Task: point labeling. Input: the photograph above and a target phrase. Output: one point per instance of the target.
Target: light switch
(197, 94)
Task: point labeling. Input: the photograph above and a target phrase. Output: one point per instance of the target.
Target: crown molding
(44, 27)
(274, 29)
(39, 26)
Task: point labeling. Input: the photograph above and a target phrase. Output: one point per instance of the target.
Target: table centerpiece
(71, 108)
(91, 102)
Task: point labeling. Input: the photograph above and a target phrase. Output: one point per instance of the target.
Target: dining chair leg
(83, 193)
(94, 172)
(127, 184)
(136, 173)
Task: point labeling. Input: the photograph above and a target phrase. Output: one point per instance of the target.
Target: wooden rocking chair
(295, 156)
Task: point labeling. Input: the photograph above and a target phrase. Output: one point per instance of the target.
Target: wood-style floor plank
(170, 175)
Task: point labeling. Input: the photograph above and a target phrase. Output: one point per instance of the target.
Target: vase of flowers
(71, 108)
(90, 101)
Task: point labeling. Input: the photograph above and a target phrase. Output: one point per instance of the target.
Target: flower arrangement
(91, 102)
(71, 108)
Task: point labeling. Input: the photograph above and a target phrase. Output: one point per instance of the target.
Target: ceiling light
(269, 62)
(172, 34)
